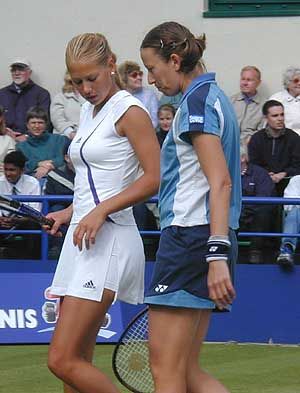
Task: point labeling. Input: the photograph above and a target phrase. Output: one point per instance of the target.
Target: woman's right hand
(62, 217)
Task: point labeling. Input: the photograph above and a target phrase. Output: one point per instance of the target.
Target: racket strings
(132, 360)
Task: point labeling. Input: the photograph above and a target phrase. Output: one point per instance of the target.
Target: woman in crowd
(199, 203)
(102, 257)
(132, 78)
(7, 144)
(290, 98)
(43, 151)
(65, 109)
(165, 116)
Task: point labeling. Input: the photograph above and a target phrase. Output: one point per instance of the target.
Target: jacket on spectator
(65, 112)
(45, 147)
(276, 155)
(17, 104)
(257, 182)
(248, 113)
(60, 182)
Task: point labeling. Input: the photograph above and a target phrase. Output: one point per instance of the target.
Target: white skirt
(116, 261)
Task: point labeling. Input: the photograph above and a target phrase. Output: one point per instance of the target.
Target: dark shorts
(180, 271)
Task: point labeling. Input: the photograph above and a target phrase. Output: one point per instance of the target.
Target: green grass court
(242, 368)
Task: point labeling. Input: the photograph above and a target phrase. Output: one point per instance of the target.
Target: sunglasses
(135, 74)
(296, 80)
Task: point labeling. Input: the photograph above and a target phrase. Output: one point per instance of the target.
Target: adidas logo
(161, 288)
(89, 285)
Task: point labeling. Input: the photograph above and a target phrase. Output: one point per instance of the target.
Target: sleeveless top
(105, 162)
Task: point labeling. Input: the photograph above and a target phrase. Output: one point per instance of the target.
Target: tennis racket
(130, 359)
(21, 209)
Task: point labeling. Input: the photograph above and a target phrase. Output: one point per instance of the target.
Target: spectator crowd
(35, 134)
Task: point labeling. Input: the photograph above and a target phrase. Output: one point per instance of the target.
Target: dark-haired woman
(199, 209)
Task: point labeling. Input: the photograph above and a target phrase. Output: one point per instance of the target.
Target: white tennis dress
(105, 164)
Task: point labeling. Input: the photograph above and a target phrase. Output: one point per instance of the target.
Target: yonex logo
(161, 288)
(78, 140)
(213, 249)
(196, 119)
(89, 285)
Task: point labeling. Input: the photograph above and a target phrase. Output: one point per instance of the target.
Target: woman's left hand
(221, 290)
(87, 229)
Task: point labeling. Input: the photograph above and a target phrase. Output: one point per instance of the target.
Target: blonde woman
(65, 109)
(102, 258)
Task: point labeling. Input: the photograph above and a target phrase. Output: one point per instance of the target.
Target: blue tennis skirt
(180, 271)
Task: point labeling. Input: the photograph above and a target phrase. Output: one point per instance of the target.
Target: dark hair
(16, 158)
(167, 107)
(38, 113)
(172, 38)
(269, 104)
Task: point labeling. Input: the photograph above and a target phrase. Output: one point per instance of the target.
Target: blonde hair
(90, 48)
(68, 85)
(126, 68)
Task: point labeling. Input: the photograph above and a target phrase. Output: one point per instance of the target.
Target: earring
(112, 73)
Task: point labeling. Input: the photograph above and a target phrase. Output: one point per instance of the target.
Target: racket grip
(48, 221)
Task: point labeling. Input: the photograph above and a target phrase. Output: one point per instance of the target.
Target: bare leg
(171, 331)
(199, 381)
(76, 330)
(88, 355)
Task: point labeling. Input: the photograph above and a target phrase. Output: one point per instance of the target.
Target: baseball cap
(21, 61)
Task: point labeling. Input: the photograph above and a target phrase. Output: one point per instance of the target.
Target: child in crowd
(165, 114)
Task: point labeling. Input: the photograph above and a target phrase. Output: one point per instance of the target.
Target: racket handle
(47, 221)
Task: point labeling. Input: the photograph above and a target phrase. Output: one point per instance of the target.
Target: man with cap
(21, 95)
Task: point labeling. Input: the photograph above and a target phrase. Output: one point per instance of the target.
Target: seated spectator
(276, 148)
(43, 151)
(290, 98)
(19, 96)
(132, 78)
(15, 182)
(165, 116)
(170, 100)
(248, 102)
(60, 182)
(65, 109)
(255, 218)
(291, 225)
(7, 144)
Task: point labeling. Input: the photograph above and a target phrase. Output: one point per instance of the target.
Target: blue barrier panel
(28, 312)
(266, 308)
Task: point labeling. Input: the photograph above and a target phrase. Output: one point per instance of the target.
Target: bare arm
(211, 158)
(136, 126)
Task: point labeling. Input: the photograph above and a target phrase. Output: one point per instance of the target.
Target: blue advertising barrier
(266, 309)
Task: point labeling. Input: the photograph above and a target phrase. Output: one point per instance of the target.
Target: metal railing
(46, 199)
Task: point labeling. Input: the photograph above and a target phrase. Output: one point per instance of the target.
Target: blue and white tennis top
(105, 162)
(184, 189)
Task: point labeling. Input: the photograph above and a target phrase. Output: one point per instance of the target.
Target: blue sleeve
(198, 114)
